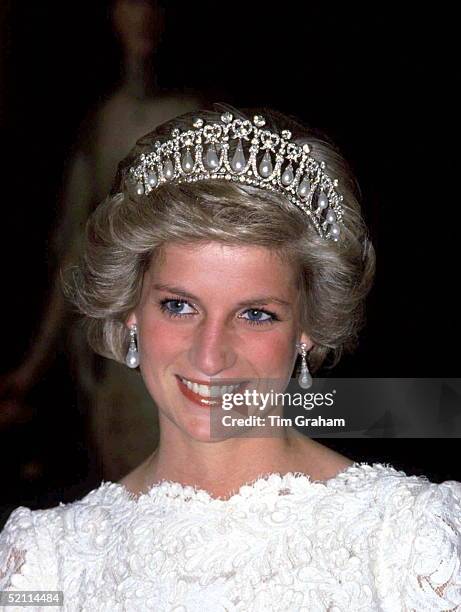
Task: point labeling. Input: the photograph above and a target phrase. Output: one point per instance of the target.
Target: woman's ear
(306, 340)
(132, 320)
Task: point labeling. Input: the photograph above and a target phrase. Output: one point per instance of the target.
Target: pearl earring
(132, 356)
(304, 379)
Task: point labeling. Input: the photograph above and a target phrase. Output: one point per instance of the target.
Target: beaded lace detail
(371, 538)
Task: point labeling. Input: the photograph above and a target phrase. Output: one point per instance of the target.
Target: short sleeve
(27, 556)
(433, 577)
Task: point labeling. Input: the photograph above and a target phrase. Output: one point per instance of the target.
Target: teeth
(203, 390)
(216, 391)
(210, 391)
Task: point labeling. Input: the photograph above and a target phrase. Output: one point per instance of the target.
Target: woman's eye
(259, 317)
(182, 308)
(175, 307)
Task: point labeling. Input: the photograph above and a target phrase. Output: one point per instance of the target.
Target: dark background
(379, 80)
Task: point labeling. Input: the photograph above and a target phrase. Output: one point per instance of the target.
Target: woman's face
(210, 311)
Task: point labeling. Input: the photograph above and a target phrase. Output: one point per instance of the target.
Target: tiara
(271, 162)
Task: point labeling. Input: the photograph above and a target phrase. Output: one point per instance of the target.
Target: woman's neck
(295, 453)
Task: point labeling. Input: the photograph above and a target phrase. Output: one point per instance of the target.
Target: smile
(204, 395)
(210, 391)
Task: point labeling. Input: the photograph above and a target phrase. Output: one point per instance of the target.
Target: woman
(231, 244)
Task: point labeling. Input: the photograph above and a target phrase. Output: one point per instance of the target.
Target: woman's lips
(199, 399)
(194, 397)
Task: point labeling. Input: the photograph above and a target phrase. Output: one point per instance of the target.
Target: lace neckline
(269, 482)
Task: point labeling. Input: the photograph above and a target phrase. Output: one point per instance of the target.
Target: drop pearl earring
(304, 379)
(132, 356)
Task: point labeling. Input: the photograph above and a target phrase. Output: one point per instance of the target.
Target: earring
(132, 357)
(304, 379)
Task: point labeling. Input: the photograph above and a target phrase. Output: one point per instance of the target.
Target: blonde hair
(125, 232)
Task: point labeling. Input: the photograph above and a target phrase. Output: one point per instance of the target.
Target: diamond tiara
(272, 162)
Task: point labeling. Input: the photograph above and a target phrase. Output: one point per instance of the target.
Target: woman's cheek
(272, 355)
(161, 337)
(153, 333)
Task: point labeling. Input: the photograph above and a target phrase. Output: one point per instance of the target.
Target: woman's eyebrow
(260, 300)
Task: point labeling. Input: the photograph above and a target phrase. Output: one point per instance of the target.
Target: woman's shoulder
(406, 506)
(434, 567)
(27, 546)
(381, 478)
(406, 498)
(396, 492)
(23, 523)
(416, 551)
(30, 539)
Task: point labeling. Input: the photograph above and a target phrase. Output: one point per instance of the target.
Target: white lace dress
(371, 538)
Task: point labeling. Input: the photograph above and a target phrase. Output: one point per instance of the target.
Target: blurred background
(80, 82)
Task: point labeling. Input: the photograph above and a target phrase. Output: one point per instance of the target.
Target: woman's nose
(212, 351)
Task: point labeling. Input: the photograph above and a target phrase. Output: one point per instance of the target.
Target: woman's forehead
(215, 263)
(217, 254)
